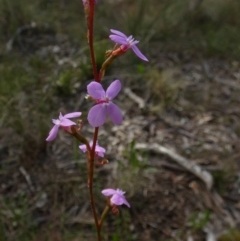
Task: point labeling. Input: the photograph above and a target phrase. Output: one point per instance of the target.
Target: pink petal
(100, 150)
(67, 122)
(126, 202)
(118, 33)
(113, 89)
(118, 39)
(97, 115)
(53, 133)
(83, 148)
(73, 115)
(114, 113)
(138, 53)
(56, 121)
(119, 200)
(96, 90)
(108, 192)
(60, 116)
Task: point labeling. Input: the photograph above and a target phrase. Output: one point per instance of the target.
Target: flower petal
(60, 116)
(83, 148)
(53, 133)
(114, 113)
(56, 122)
(119, 200)
(73, 115)
(96, 90)
(118, 33)
(126, 202)
(118, 39)
(67, 122)
(100, 150)
(97, 115)
(113, 89)
(138, 53)
(108, 192)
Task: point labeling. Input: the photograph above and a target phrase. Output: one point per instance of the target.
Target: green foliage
(199, 219)
(132, 155)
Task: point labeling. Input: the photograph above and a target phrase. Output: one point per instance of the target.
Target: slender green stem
(103, 216)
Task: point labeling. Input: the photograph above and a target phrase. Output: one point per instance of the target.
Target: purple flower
(104, 106)
(98, 149)
(117, 196)
(126, 43)
(63, 121)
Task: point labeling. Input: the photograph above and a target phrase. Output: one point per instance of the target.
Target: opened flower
(104, 106)
(117, 196)
(126, 43)
(99, 151)
(63, 121)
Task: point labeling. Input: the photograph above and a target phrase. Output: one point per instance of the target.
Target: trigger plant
(103, 110)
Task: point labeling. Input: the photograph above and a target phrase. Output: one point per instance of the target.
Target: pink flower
(104, 106)
(126, 43)
(99, 151)
(117, 196)
(63, 121)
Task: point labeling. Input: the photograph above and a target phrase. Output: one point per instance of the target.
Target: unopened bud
(105, 161)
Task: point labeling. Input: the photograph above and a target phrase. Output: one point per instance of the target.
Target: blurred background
(185, 99)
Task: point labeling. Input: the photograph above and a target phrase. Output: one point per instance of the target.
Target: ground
(185, 99)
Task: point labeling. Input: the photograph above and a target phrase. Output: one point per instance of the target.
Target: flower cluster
(102, 109)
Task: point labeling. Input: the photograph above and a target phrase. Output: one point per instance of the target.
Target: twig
(198, 171)
(27, 177)
(135, 98)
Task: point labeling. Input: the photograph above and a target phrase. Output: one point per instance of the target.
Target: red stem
(95, 137)
(90, 39)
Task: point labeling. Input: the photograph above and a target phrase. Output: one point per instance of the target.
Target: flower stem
(95, 137)
(103, 216)
(90, 39)
(90, 183)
